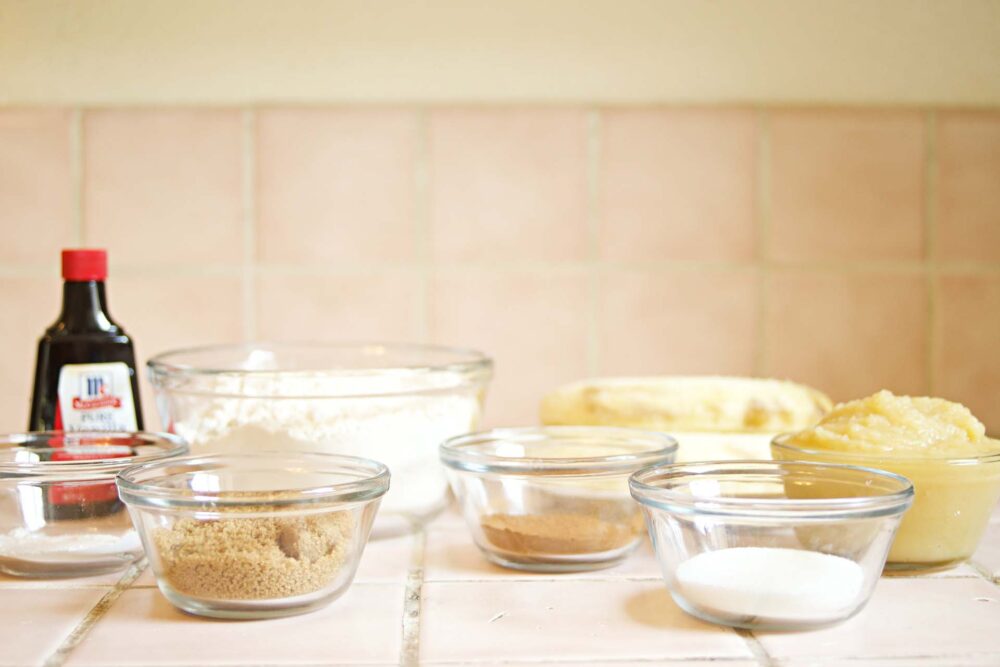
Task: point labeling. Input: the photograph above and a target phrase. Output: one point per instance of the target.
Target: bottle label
(95, 397)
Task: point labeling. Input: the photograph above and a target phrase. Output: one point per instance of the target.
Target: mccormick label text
(95, 397)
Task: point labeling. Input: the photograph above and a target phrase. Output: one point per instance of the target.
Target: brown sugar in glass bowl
(254, 535)
(553, 499)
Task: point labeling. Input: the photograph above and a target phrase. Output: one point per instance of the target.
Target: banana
(687, 403)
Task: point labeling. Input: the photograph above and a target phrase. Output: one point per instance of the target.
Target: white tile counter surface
(432, 599)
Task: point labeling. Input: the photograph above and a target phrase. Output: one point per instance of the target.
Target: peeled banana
(687, 403)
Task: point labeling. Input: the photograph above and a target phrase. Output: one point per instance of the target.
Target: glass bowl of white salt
(394, 403)
(768, 545)
(60, 514)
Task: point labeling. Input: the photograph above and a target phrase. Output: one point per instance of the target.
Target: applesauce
(939, 445)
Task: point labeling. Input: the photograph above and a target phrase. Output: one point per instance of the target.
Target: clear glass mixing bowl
(393, 403)
(555, 498)
(254, 535)
(60, 515)
(771, 545)
(954, 498)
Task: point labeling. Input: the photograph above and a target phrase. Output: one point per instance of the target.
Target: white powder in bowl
(325, 414)
(771, 583)
(40, 554)
(22, 543)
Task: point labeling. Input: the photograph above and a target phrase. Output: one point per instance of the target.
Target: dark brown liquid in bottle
(83, 334)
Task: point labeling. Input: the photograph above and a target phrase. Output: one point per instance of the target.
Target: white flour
(402, 431)
(771, 583)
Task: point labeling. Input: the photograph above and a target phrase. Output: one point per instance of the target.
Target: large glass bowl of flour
(394, 403)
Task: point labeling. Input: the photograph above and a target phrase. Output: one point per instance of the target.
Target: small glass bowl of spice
(254, 535)
(553, 499)
(60, 515)
(771, 545)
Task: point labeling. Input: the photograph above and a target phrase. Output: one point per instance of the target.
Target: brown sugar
(254, 558)
(556, 533)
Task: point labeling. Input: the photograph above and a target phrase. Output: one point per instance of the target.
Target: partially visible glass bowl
(553, 499)
(60, 515)
(954, 499)
(394, 403)
(254, 535)
(771, 545)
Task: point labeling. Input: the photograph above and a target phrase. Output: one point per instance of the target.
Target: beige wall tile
(967, 360)
(533, 324)
(164, 186)
(677, 184)
(508, 184)
(168, 312)
(698, 321)
(29, 306)
(36, 185)
(336, 186)
(344, 307)
(848, 334)
(968, 215)
(846, 185)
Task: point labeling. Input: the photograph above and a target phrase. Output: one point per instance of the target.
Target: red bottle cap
(84, 264)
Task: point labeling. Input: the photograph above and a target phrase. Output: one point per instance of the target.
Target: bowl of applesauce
(938, 445)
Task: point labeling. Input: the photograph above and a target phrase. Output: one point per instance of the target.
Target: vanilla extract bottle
(85, 380)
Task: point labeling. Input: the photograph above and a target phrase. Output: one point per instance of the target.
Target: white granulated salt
(771, 583)
(332, 414)
(21, 543)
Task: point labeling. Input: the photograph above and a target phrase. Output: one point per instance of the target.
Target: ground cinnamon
(556, 533)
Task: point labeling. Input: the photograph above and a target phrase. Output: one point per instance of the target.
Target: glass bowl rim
(774, 509)
(169, 447)
(454, 453)
(472, 367)
(872, 460)
(152, 495)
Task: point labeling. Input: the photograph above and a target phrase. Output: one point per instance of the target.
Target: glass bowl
(254, 535)
(392, 403)
(771, 545)
(552, 499)
(60, 515)
(953, 500)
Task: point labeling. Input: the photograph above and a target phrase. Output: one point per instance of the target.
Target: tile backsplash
(851, 249)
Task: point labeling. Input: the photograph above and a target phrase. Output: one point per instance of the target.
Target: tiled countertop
(431, 599)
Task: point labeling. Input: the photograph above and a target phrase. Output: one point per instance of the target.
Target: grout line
(640, 104)
(756, 648)
(409, 652)
(869, 659)
(762, 218)
(971, 268)
(79, 633)
(422, 220)
(249, 194)
(930, 186)
(51, 585)
(933, 335)
(610, 660)
(550, 579)
(983, 572)
(930, 252)
(76, 174)
(275, 664)
(595, 129)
